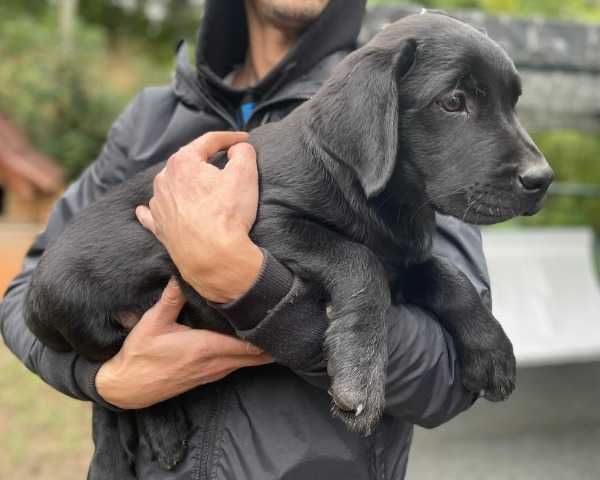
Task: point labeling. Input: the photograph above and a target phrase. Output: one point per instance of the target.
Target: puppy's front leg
(359, 298)
(486, 353)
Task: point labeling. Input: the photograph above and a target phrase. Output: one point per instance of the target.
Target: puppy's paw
(358, 392)
(491, 372)
(171, 454)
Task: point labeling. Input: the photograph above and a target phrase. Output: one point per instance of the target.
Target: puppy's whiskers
(472, 201)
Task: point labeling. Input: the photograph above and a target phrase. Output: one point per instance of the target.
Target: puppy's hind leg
(110, 459)
(165, 428)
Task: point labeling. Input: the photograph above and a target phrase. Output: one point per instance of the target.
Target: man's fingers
(216, 345)
(144, 216)
(254, 361)
(210, 143)
(167, 309)
(233, 363)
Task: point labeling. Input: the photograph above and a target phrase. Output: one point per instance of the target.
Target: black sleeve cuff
(85, 372)
(283, 315)
(272, 284)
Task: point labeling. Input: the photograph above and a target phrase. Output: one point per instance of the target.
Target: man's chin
(292, 14)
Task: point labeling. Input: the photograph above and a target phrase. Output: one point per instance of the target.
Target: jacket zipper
(207, 443)
(224, 114)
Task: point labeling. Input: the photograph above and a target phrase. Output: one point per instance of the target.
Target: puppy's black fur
(421, 119)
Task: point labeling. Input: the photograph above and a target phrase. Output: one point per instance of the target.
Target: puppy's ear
(355, 116)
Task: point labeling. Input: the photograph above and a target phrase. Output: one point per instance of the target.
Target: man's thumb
(242, 162)
(168, 307)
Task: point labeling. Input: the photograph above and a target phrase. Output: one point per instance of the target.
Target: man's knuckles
(144, 216)
(242, 151)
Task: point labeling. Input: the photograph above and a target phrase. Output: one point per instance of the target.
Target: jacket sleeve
(69, 373)
(424, 379)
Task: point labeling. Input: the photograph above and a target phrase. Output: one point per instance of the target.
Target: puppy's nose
(537, 179)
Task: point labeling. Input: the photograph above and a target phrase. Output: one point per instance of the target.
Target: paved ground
(549, 430)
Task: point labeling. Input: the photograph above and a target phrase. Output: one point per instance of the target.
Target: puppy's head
(429, 104)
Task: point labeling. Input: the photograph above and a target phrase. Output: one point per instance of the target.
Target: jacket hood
(223, 41)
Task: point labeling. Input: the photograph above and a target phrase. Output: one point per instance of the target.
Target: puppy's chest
(396, 257)
(400, 245)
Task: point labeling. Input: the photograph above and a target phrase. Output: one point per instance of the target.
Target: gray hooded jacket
(270, 422)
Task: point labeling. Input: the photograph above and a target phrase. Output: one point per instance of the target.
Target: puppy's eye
(453, 103)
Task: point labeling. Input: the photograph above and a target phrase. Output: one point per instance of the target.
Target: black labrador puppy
(420, 120)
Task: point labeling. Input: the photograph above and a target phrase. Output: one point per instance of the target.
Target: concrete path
(548, 430)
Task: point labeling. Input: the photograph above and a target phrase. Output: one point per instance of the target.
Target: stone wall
(558, 61)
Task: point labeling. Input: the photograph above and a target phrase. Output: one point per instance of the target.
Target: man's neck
(267, 45)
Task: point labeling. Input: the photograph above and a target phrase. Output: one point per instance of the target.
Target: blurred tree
(155, 25)
(56, 99)
(65, 77)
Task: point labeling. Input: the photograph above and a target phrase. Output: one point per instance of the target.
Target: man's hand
(162, 358)
(202, 215)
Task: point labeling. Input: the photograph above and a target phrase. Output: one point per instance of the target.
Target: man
(256, 61)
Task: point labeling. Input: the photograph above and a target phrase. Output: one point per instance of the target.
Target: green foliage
(442, 4)
(585, 10)
(575, 158)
